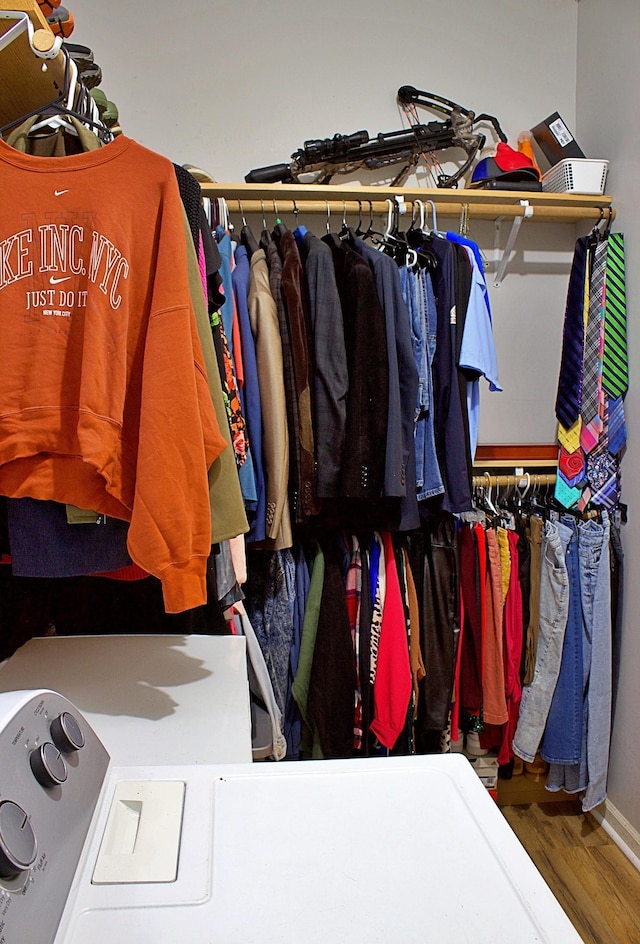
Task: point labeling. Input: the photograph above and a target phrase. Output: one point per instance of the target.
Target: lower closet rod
(526, 480)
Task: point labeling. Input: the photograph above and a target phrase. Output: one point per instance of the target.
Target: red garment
(392, 687)
(129, 573)
(104, 398)
(455, 706)
(236, 337)
(470, 648)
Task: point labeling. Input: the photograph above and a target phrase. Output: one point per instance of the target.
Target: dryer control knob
(47, 764)
(66, 733)
(17, 840)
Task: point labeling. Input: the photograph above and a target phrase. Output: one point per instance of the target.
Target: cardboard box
(486, 768)
(555, 140)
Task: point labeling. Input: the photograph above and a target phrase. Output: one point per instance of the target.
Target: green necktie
(615, 365)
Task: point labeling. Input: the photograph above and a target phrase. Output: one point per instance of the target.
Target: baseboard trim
(625, 836)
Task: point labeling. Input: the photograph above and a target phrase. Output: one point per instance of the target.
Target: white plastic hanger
(60, 120)
(434, 221)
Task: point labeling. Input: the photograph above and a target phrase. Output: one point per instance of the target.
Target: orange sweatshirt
(104, 401)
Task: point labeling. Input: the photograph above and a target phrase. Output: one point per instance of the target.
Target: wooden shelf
(538, 455)
(30, 7)
(480, 204)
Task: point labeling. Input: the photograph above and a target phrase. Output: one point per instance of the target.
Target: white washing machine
(387, 850)
(152, 699)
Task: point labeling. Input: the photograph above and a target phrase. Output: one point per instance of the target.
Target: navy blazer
(330, 374)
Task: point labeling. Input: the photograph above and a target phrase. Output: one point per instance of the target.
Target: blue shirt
(477, 352)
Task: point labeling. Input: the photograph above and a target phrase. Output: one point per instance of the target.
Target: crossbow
(320, 159)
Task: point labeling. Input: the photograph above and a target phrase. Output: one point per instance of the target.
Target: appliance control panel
(52, 767)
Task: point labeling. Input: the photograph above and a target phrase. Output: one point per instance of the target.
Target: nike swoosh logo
(54, 281)
(58, 193)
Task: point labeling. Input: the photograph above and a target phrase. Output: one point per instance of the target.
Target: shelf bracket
(23, 24)
(513, 235)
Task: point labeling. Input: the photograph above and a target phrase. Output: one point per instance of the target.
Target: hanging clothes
(332, 681)
(295, 294)
(329, 368)
(400, 476)
(417, 291)
(185, 445)
(250, 394)
(269, 363)
(309, 738)
(363, 464)
(451, 443)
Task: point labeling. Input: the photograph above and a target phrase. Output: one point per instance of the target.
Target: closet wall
(608, 77)
(235, 85)
(241, 84)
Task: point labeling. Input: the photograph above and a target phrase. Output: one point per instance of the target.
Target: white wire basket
(576, 175)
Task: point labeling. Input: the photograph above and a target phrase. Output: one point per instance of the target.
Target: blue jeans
(428, 477)
(409, 286)
(590, 773)
(554, 609)
(562, 741)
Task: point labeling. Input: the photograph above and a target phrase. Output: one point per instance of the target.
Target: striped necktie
(616, 425)
(615, 366)
(592, 359)
(570, 378)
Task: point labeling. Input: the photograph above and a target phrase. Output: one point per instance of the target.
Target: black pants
(434, 557)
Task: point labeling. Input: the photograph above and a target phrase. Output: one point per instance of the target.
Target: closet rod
(533, 480)
(357, 208)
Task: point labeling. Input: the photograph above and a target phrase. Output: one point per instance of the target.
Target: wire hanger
(347, 234)
(370, 230)
(463, 228)
(64, 106)
(390, 211)
(421, 217)
(265, 235)
(247, 239)
(279, 227)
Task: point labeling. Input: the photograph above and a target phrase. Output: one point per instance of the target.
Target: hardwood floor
(592, 879)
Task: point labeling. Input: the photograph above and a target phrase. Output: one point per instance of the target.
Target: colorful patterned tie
(572, 466)
(615, 366)
(617, 426)
(570, 438)
(564, 494)
(570, 379)
(592, 360)
(603, 475)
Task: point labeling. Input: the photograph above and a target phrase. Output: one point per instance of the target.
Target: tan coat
(275, 435)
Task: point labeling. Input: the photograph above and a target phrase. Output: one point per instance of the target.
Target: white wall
(607, 122)
(231, 85)
(234, 85)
